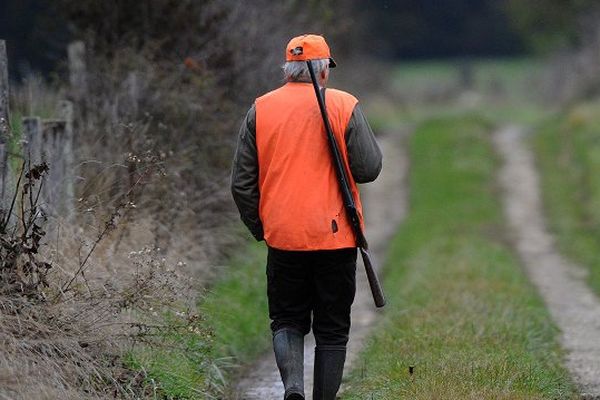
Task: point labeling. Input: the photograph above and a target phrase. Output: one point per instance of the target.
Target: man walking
(285, 186)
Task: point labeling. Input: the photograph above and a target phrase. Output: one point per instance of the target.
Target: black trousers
(312, 285)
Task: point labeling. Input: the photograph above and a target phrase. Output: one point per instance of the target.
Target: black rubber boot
(329, 368)
(288, 345)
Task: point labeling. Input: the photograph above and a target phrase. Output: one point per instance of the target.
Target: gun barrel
(349, 203)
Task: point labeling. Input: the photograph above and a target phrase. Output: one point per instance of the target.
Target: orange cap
(308, 47)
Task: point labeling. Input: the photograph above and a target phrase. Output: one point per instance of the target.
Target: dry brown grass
(65, 323)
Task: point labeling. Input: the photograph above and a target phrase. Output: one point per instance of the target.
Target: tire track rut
(572, 304)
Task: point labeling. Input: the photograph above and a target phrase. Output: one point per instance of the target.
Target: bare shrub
(21, 269)
(64, 334)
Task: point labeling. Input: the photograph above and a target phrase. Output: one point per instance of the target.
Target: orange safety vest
(301, 204)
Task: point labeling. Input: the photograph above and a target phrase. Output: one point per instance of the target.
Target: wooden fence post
(133, 85)
(4, 123)
(77, 70)
(67, 113)
(53, 141)
(47, 141)
(32, 133)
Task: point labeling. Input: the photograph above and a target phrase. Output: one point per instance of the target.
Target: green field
(461, 312)
(501, 90)
(568, 154)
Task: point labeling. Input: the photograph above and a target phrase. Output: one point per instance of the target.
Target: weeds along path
(385, 203)
(573, 305)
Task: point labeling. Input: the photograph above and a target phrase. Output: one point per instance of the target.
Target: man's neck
(321, 83)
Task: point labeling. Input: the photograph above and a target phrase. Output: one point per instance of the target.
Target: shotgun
(349, 204)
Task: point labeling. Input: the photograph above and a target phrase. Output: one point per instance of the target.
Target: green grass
(568, 155)
(501, 90)
(236, 307)
(14, 144)
(183, 366)
(461, 311)
(512, 77)
(233, 328)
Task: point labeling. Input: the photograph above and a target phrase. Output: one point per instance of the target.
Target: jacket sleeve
(364, 155)
(244, 176)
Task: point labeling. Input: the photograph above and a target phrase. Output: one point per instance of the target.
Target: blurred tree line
(38, 30)
(569, 30)
(454, 28)
(36, 35)
(434, 29)
(548, 24)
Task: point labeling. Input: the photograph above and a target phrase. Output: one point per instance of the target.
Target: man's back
(301, 206)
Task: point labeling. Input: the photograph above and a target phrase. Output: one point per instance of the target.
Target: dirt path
(574, 307)
(385, 204)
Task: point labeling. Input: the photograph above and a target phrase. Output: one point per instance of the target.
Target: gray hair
(297, 71)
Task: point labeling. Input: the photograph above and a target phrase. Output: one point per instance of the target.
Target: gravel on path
(572, 304)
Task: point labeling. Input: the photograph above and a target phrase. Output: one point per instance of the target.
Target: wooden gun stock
(374, 284)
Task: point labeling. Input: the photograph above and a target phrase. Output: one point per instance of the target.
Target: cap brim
(332, 63)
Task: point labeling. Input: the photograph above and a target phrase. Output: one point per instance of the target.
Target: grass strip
(236, 307)
(232, 330)
(463, 322)
(567, 148)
